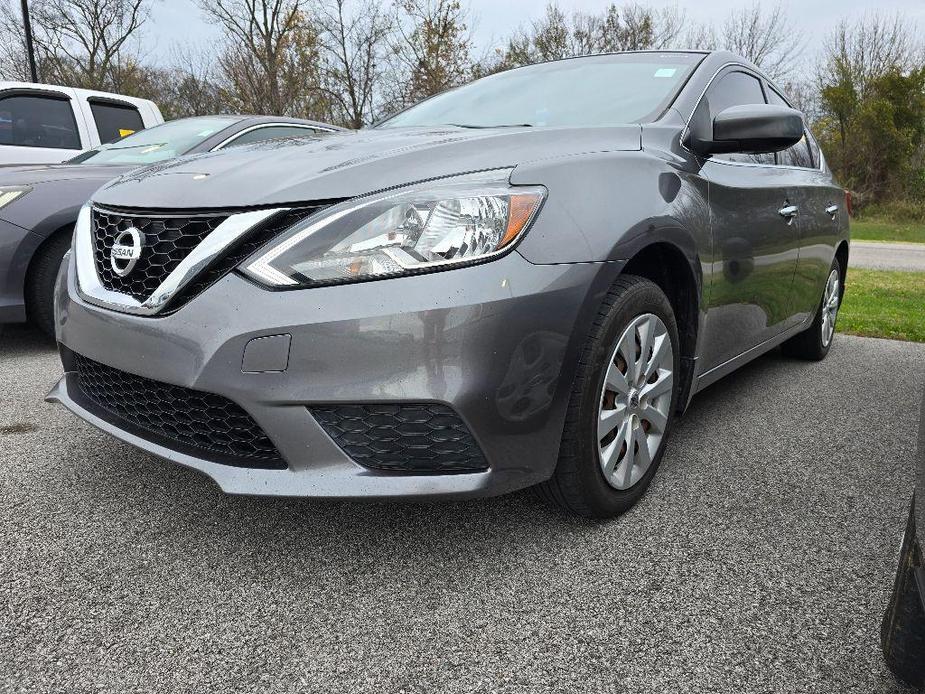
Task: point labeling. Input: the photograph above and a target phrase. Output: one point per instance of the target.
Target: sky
(180, 21)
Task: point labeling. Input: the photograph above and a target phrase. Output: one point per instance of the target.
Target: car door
(755, 235)
(38, 126)
(821, 214)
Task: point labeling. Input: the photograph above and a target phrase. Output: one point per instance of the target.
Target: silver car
(519, 282)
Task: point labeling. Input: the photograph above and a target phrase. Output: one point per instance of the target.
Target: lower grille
(407, 438)
(201, 424)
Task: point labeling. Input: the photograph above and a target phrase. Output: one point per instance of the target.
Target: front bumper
(496, 342)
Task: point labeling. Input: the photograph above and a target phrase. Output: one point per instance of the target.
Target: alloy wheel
(830, 302)
(635, 401)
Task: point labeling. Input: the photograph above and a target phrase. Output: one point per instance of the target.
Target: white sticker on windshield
(665, 72)
(206, 133)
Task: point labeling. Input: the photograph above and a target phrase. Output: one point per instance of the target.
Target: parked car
(39, 204)
(519, 282)
(903, 629)
(47, 123)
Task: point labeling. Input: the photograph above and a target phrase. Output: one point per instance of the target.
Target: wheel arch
(67, 228)
(40, 250)
(841, 253)
(678, 274)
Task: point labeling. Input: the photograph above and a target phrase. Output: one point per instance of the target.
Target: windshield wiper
(484, 127)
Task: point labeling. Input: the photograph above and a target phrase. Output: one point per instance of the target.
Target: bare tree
(859, 52)
(77, 42)
(636, 27)
(188, 86)
(618, 28)
(698, 37)
(193, 85)
(553, 36)
(13, 63)
(354, 46)
(766, 37)
(271, 59)
(431, 50)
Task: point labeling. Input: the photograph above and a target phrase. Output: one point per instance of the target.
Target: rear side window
(814, 150)
(38, 121)
(736, 89)
(115, 121)
(800, 154)
(271, 132)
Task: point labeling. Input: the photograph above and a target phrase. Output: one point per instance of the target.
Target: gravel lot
(760, 560)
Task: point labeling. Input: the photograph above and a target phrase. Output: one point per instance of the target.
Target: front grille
(191, 421)
(167, 241)
(408, 438)
(241, 251)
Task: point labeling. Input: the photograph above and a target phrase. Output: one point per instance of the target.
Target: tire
(811, 344)
(592, 477)
(902, 634)
(40, 282)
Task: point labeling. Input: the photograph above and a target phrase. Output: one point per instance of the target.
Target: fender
(631, 204)
(621, 203)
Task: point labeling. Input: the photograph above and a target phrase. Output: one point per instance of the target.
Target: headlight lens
(440, 224)
(10, 193)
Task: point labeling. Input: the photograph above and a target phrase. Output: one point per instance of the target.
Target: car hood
(347, 164)
(19, 175)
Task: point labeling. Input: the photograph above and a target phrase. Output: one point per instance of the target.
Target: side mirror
(753, 129)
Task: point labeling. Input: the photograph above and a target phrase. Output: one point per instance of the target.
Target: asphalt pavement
(759, 561)
(876, 255)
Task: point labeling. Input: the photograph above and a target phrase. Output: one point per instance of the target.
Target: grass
(875, 229)
(886, 304)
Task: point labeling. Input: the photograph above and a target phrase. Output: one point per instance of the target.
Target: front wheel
(622, 403)
(815, 342)
(40, 283)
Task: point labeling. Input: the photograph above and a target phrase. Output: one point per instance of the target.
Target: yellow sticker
(124, 132)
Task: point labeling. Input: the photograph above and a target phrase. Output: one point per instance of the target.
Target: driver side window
(735, 89)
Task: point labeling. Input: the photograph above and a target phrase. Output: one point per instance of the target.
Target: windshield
(155, 144)
(591, 91)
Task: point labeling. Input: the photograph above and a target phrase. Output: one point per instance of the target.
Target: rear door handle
(832, 211)
(789, 212)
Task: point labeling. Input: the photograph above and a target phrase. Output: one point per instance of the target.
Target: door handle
(789, 212)
(832, 211)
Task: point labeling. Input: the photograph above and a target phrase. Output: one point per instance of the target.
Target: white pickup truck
(44, 123)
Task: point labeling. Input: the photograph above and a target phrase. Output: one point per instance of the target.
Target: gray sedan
(39, 203)
(519, 282)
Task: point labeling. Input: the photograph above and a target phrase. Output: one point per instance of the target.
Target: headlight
(428, 226)
(10, 193)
